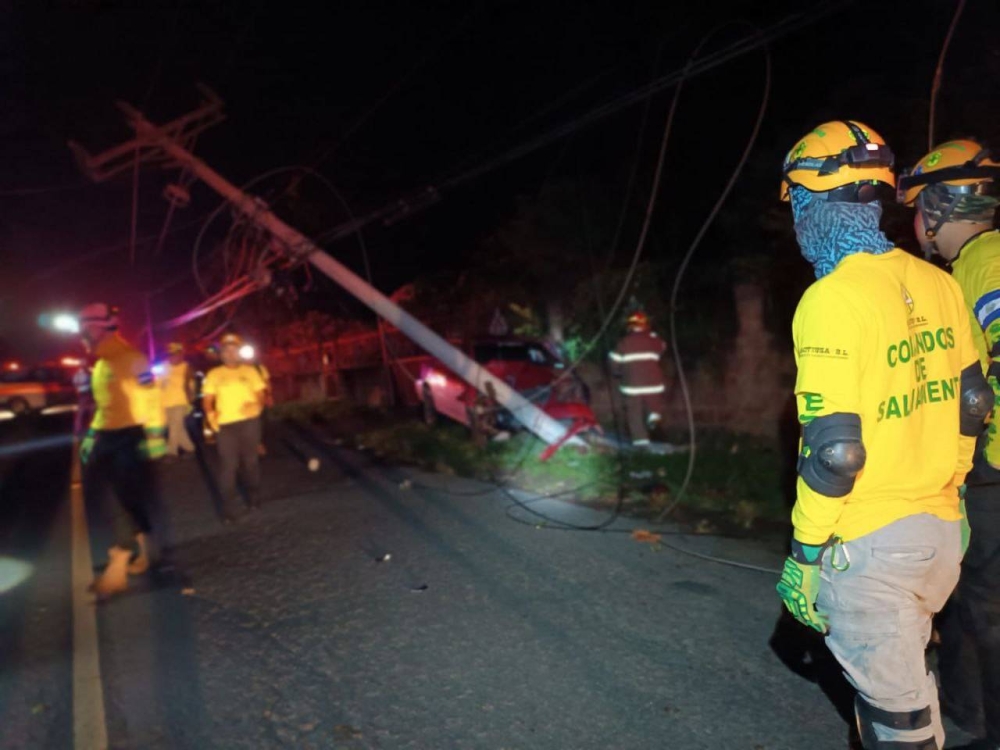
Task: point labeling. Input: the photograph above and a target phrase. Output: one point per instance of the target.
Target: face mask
(828, 232)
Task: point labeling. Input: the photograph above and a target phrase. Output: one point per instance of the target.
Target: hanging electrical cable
(640, 245)
(685, 262)
(938, 71)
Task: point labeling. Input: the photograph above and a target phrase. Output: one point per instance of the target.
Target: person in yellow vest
(234, 399)
(956, 190)
(178, 392)
(125, 435)
(891, 398)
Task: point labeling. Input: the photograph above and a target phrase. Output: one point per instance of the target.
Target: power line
(710, 62)
(936, 85)
(90, 255)
(429, 195)
(683, 267)
(41, 190)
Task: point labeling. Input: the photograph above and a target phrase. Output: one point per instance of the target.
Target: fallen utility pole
(166, 144)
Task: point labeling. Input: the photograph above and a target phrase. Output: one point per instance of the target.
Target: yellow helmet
(844, 158)
(638, 321)
(175, 347)
(965, 167)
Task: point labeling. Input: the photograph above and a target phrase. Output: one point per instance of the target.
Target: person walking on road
(125, 435)
(234, 399)
(636, 362)
(178, 393)
(891, 398)
(956, 189)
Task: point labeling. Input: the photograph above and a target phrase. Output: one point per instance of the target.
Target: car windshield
(16, 376)
(511, 351)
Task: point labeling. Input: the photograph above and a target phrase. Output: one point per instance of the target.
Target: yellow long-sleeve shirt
(175, 385)
(885, 337)
(123, 387)
(977, 271)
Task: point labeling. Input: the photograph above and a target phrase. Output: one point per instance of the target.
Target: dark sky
(385, 97)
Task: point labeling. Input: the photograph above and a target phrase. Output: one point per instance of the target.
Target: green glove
(155, 445)
(966, 529)
(799, 585)
(87, 447)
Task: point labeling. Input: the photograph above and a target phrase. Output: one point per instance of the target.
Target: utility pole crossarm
(147, 141)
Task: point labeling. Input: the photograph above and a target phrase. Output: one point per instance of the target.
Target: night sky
(388, 97)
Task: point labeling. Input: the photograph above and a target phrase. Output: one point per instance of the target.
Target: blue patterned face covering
(829, 231)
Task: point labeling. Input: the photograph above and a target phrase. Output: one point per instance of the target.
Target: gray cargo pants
(880, 612)
(177, 434)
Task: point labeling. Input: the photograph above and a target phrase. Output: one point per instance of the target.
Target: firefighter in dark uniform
(126, 434)
(636, 362)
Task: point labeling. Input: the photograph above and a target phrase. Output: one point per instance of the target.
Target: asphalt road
(289, 629)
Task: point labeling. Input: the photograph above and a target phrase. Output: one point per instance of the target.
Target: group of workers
(897, 511)
(136, 418)
(898, 493)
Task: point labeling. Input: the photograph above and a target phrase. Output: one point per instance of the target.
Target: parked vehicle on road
(525, 365)
(46, 389)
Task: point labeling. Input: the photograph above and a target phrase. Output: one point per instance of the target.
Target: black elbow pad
(832, 454)
(976, 401)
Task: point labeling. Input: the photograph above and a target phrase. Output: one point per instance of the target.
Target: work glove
(799, 585)
(966, 529)
(87, 447)
(154, 445)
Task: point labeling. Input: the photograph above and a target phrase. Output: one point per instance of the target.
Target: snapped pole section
(529, 415)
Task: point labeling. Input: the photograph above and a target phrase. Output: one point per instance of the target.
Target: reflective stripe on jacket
(636, 360)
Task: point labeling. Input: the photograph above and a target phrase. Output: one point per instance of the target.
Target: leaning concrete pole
(529, 415)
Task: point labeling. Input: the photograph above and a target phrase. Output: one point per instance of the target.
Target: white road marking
(89, 727)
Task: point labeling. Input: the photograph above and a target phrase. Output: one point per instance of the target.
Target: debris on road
(646, 537)
(406, 484)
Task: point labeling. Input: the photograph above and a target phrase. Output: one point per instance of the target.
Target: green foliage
(737, 476)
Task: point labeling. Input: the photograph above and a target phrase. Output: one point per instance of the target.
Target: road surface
(370, 606)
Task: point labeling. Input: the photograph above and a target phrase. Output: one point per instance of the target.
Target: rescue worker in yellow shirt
(233, 394)
(956, 189)
(636, 361)
(891, 398)
(125, 435)
(178, 393)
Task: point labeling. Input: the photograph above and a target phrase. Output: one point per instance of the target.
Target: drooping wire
(936, 85)
(692, 453)
(612, 312)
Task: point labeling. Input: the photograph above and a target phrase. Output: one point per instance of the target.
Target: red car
(526, 366)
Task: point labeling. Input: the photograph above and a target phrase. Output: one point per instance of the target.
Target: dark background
(387, 97)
